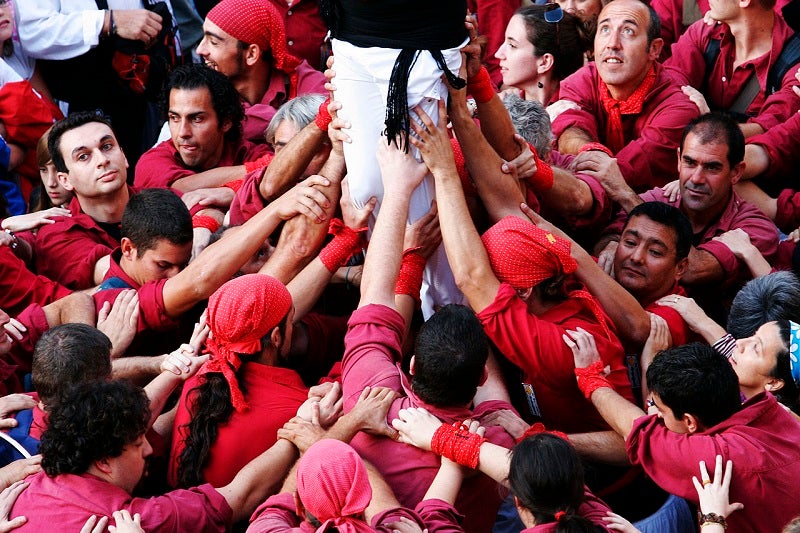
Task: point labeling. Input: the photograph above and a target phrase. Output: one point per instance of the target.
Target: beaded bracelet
(712, 518)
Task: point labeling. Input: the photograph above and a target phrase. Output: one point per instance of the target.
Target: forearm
(494, 461)
(215, 177)
(77, 307)
(158, 391)
(258, 479)
(756, 161)
(500, 193)
(446, 484)
(618, 412)
(570, 194)
(307, 286)
(751, 129)
(603, 447)
(497, 128)
(703, 268)
(755, 262)
(572, 140)
(289, 163)
(138, 368)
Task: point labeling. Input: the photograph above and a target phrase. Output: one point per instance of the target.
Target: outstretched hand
(416, 427)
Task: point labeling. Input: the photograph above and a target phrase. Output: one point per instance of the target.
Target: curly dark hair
(92, 421)
(224, 97)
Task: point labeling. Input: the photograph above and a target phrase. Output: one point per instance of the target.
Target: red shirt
(761, 440)
(161, 166)
(69, 499)
(19, 287)
(724, 83)
(372, 350)
(309, 81)
(273, 395)
(534, 344)
(248, 200)
(780, 143)
(67, 251)
(652, 137)
(305, 30)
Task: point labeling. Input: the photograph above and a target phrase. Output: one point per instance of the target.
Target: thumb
(736, 507)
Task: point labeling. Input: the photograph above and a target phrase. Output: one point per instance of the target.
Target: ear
(546, 63)
(525, 293)
(680, 268)
(104, 466)
(691, 423)
(63, 179)
(128, 249)
(774, 385)
(253, 54)
(678, 151)
(737, 172)
(655, 48)
(412, 365)
(275, 337)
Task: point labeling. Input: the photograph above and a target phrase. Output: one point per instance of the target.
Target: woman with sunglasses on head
(543, 45)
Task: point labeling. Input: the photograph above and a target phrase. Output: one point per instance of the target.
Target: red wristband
(234, 184)
(205, 221)
(458, 444)
(323, 115)
(480, 87)
(409, 280)
(591, 378)
(261, 162)
(596, 146)
(346, 242)
(542, 180)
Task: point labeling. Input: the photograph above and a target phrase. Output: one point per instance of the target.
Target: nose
(638, 254)
(49, 177)
(613, 40)
(202, 48)
(501, 52)
(147, 450)
(568, 6)
(184, 129)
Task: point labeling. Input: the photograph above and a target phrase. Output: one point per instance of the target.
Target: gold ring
(706, 482)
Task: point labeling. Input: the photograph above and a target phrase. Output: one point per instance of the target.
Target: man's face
(706, 177)
(5, 338)
(220, 51)
(196, 132)
(724, 10)
(646, 262)
(622, 54)
(165, 260)
(128, 468)
(97, 167)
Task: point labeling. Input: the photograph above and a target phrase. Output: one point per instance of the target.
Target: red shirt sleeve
(160, 167)
(19, 287)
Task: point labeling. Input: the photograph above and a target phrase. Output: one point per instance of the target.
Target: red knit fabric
(591, 378)
(204, 221)
(543, 179)
(409, 280)
(234, 184)
(324, 118)
(256, 22)
(333, 485)
(596, 146)
(523, 255)
(538, 427)
(480, 86)
(346, 242)
(240, 313)
(615, 137)
(457, 444)
(261, 162)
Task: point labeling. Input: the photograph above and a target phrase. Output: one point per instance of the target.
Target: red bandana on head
(615, 138)
(255, 22)
(333, 485)
(240, 313)
(523, 255)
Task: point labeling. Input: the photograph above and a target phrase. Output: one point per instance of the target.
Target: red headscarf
(523, 255)
(240, 313)
(255, 22)
(333, 485)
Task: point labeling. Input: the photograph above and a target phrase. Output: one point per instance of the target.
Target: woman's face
(6, 20)
(58, 194)
(517, 62)
(583, 9)
(754, 358)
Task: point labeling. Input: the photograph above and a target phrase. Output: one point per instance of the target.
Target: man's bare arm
(703, 268)
(572, 140)
(214, 177)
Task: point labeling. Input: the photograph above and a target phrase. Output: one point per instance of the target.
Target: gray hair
(532, 122)
(300, 110)
(772, 297)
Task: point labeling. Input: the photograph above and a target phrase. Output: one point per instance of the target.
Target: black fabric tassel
(397, 117)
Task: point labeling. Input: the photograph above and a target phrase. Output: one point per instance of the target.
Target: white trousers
(362, 84)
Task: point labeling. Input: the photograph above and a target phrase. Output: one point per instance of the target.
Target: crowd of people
(399, 266)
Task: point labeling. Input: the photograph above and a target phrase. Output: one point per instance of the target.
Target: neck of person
(106, 209)
(622, 93)
(543, 94)
(752, 34)
(702, 218)
(253, 86)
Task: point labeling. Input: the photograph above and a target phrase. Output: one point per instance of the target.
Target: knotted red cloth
(409, 280)
(537, 428)
(240, 313)
(457, 444)
(256, 22)
(615, 138)
(346, 242)
(333, 485)
(591, 378)
(523, 255)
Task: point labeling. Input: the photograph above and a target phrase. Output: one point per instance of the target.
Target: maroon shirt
(724, 83)
(305, 30)
(19, 287)
(652, 137)
(761, 440)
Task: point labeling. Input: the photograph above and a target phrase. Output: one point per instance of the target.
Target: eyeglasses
(553, 16)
